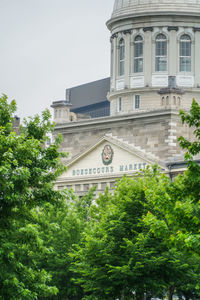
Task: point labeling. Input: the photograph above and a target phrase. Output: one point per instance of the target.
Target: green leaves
(192, 119)
(27, 172)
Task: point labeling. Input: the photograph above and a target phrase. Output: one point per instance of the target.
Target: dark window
(138, 54)
(161, 53)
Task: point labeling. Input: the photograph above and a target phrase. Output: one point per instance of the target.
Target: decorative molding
(107, 155)
(129, 31)
(195, 29)
(168, 90)
(120, 84)
(148, 29)
(185, 81)
(137, 81)
(159, 80)
(115, 35)
(170, 28)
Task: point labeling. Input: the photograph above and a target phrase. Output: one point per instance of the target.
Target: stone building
(155, 72)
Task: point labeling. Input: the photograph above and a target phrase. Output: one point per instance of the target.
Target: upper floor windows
(138, 54)
(119, 104)
(161, 53)
(185, 53)
(121, 57)
(137, 101)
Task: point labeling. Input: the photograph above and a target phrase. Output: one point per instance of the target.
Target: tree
(27, 174)
(181, 221)
(145, 238)
(121, 255)
(61, 227)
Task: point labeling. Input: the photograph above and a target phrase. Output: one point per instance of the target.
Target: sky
(47, 46)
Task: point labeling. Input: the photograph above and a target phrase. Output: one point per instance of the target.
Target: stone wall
(156, 132)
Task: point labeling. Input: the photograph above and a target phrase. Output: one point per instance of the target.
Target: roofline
(173, 165)
(146, 14)
(87, 83)
(112, 119)
(122, 145)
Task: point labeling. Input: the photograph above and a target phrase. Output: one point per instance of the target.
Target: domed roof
(123, 8)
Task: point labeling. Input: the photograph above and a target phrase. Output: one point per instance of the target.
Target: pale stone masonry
(155, 72)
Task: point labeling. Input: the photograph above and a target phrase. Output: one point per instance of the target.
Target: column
(148, 58)
(127, 34)
(197, 57)
(114, 62)
(172, 51)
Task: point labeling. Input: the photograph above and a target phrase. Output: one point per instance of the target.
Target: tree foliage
(27, 172)
(128, 247)
(61, 227)
(144, 239)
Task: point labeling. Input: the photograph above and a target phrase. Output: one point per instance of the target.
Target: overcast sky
(47, 46)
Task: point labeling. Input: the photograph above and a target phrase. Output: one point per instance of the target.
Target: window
(161, 53)
(77, 187)
(119, 104)
(185, 53)
(86, 187)
(121, 57)
(112, 184)
(61, 187)
(137, 101)
(138, 54)
(103, 186)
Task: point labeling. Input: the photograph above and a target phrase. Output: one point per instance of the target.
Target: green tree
(121, 256)
(61, 227)
(27, 172)
(177, 209)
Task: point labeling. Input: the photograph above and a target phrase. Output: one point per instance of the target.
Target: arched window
(161, 53)
(185, 53)
(138, 54)
(121, 57)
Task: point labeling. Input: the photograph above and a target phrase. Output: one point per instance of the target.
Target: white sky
(47, 46)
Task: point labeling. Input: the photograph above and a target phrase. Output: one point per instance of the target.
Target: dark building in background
(90, 98)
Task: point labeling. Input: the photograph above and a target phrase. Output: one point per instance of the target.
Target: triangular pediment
(110, 156)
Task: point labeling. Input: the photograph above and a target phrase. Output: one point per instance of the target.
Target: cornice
(112, 121)
(152, 17)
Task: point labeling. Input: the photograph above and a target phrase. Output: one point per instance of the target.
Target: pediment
(109, 157)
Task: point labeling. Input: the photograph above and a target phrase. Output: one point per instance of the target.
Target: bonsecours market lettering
(108, 169)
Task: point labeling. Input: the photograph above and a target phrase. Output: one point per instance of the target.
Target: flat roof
(90, 93)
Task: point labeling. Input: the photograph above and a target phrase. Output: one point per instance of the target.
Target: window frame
(119, 104)
(161, 45)
(121, 58)
(138, 41)
(187, 41)
(137, 101)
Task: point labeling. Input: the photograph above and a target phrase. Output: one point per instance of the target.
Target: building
(155, 71)
(90, 99)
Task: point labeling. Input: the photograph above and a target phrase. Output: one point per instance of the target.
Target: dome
(124, 8)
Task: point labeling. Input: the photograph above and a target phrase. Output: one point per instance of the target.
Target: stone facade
(144, 122)
(148, 20)
(154, 134)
